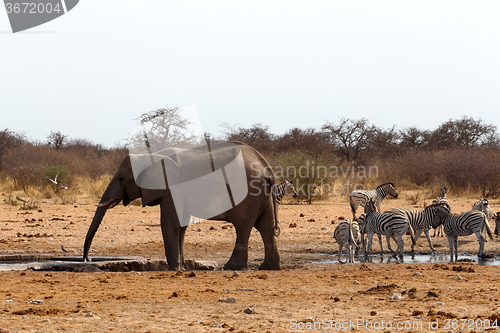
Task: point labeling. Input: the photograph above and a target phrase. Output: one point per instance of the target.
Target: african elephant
(179, 167)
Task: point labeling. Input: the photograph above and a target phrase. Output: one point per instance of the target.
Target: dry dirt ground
(304, 296)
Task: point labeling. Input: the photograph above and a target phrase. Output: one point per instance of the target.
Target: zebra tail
(351, 235)
(276, 229)
(488, 230)
(352, 206)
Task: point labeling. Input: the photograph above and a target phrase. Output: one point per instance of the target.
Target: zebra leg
(389, 243)
(481, 241)
(340, 251)
(369, 246)
(381, 246)
(455, 241)
(426, 232)
(400, 247)
(347, 253)
(450, 242)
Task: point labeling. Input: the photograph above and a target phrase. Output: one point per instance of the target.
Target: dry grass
(81, 188)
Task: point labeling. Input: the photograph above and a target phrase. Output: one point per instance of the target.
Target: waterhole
(411, 259)
(76, 264)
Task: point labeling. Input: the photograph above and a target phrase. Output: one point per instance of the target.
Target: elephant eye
(120, 179)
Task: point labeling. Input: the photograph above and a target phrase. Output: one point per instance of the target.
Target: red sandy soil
(302, 296)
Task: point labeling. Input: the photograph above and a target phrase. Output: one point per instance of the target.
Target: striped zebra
(393, 224)
(377, 195)
(497, 224)
(482, 206)
(284, 188)
(443, 200)
(347, 234)
(279, 191)
(464, 224)
(420, 221)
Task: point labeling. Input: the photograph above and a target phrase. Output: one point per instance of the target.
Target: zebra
(393, 224)
(497, 224)
(279, 191)
(482, 206)
(420, 221)
(284, 188)
(441, 199)
(362, 196)
(347, 234)
(464, 224)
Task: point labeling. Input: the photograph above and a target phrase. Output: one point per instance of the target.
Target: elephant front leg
(173, 235)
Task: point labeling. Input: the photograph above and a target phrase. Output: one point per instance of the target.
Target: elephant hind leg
(265, 225)
(239, 257)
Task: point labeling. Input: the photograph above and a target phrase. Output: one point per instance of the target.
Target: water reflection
(414, 259)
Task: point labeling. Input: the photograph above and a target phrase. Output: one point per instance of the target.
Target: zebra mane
(385, 184)
(437, 205)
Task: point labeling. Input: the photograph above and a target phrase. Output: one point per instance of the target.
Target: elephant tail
(276, 228)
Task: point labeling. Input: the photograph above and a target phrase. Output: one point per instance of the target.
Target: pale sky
(285, 64)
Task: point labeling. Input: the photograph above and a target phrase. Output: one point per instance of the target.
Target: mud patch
(38, 312)
(380, 289)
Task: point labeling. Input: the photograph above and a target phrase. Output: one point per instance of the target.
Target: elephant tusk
(111, 203)
(115, 203)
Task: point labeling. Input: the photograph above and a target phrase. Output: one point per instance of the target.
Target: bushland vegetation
(79, 164)
(340, 156)
(460, 154)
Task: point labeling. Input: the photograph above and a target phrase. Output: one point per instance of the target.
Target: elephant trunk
(109, 199)
(98, 216)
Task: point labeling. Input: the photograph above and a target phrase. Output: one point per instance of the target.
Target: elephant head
(232, 182)
(121, 188)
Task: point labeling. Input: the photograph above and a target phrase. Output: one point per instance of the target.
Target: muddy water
(413, 259)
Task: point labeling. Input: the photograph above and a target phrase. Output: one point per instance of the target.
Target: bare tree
(56, 140)
(164, 128)
(309, 139)
(351, 136)
(258, 136)
(413, 138)
(466, 132)
(8, 140)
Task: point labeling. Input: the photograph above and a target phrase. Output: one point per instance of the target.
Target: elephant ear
(152, 180)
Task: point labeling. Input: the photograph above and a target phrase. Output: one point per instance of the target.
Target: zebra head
(389, 189)
(480, 205)
(441, 212)
(361, 223)
(443, 192)
(369, 207)
(289, 189)
(443, 202)
(497, 224)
